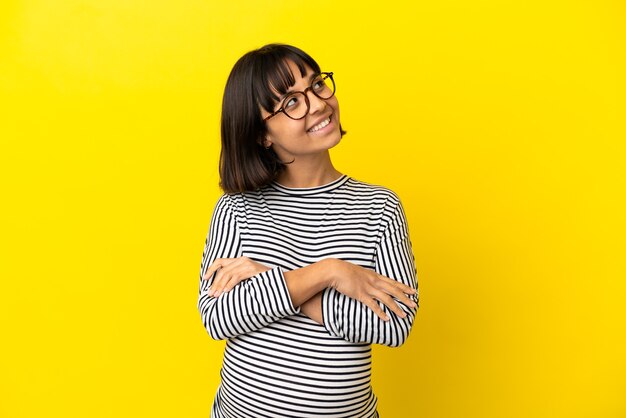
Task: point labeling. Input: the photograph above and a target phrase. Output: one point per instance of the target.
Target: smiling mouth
(320, 125)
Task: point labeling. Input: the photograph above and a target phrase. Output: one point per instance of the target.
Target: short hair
(245, 164)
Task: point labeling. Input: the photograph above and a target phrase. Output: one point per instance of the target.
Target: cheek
(334, 103)
(282, 132)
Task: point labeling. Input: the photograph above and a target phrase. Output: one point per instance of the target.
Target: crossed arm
(238, 295)
(305, 285)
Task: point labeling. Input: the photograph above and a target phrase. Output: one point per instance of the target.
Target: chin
(334, 140)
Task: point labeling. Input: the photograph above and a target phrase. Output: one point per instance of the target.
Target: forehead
(279, 79)
(296, 70)
(287, 76)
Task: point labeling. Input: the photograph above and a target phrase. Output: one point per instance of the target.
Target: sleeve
(352, 320)
(251, 304)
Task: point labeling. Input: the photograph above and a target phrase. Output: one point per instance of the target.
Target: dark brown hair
(245, 164)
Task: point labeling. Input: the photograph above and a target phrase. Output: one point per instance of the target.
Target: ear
(267, 143)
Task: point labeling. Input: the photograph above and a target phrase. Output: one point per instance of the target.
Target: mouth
(321, 125)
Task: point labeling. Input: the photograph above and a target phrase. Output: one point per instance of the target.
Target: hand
(367, 286)
(229, 272)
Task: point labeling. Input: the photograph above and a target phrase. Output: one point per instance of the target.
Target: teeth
(320, 125)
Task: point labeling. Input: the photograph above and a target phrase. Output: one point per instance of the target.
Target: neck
(310, 172)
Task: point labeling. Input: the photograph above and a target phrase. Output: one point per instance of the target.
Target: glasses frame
(306, 97)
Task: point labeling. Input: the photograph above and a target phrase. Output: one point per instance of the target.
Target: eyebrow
(288, 92)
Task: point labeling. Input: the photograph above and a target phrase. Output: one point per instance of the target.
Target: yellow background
(500, 124)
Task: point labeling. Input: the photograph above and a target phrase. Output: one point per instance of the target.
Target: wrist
(329, 271)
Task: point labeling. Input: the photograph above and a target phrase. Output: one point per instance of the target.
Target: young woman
(303, 267)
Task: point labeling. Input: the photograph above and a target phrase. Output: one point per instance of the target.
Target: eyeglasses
(296, 105)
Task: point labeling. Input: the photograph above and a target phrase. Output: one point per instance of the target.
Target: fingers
(231, 271)
(226, 277)
(404, 288)
(375, 307)
(215, 266)
(216, 270)
(371, 288)
(386, 291)
(230, 276)
(389, 302)
(402, 297)
(399, 291)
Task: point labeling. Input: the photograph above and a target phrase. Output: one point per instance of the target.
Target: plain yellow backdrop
(500, 124)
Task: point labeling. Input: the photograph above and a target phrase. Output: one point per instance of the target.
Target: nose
(315, 103)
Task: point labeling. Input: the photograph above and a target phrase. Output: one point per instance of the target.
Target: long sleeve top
(278, 362)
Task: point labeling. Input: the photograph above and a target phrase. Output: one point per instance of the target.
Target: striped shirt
(278, 362)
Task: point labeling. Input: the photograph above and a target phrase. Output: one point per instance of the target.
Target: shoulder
(373, 192)
(235, 203)
(229, 200)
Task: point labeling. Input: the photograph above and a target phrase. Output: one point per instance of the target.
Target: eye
(318, 84)
(291, 101)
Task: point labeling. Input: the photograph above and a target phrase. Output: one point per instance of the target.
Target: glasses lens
(295, 105)
(323, 86)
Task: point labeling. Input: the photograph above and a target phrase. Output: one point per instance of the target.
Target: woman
(303, 267)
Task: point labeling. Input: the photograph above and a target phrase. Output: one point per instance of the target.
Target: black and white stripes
(278, 362)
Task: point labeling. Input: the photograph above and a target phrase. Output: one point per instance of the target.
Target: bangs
(273, 76)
